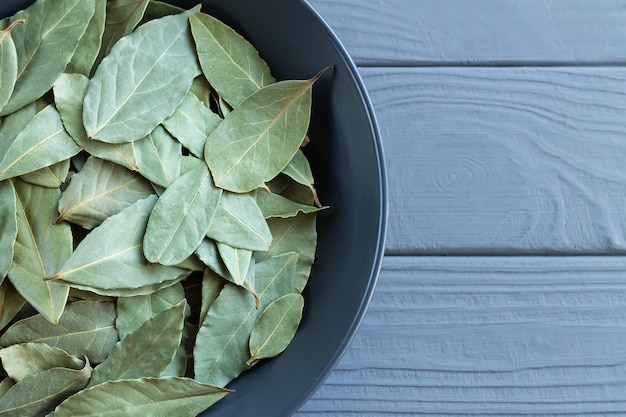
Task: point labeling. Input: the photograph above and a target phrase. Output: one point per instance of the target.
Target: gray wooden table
(503, 290)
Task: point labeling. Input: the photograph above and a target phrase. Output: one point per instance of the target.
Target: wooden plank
(502, 336)
(461, 32)
(503, 160)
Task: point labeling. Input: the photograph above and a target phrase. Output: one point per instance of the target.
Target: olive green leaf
(11, 302)
(8, 226)
(5, 384)
(100, 190)
(89, 44)
(275, 327)
(240, 223)
(38, 394)
(179, 364)
(237, 262)
(171, 396)
(202, 90)
(117, 266)
(299, 170)
(207, 252)
(8, 63)
(45, 43)
(122, 17)
(12, 124)
(191, 123)
(52, 176)
(69, 92)
(158, 157)
(42, 143)
(41, 248)
(221, 348)
(181, 217)
(147, 351)
(24, 359)
(86, 329)
(212, 285)
(294, 234)
(275, 205)
(158, 62)
(229, 62)
(132, 312)
(256, 141)
(157, 9)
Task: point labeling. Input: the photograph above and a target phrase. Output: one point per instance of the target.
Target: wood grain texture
(496, 32)
(503, 160)
(501, 336)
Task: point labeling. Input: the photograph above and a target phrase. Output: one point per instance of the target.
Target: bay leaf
(157, 9)
(221, 350)
(159, 62)
(132, 312)
(145, 352)
(45, 44)
(237, 262)
(42, 143)
(180, 363)
(5, 384)
(8, 63)
(11, 302)
(229, 62)
(191, 123)
(8, 226)
(171, 396)
(122, 17)
(294, 234)
(275, 205)
(207, 252)
(52, 176)
(41, 247)
(24, 359)
(202, 90)
(299, 170)
(275, 327)
(158, 157)
(240, 223)
(100, 190)
(256, 141)
(127, 291)
(12, 124)
(104, 265)
(86, 329)
(40, 393)
(89, 44)
(181, 217)
(212, 285)
(69, 93)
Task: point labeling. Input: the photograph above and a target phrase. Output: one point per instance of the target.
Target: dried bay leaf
(12, 124)
(212, 285)
(145, 352)
(158, 157)
(5, 384)
(52, 176)
(8, 226)
(299, 170)
(221, 350)
(256, 141)
(229, 62)
(24, 359)
(86, 329)
(45, 43)
(122, 17)
(8, 63)
(117, 266)
(158, 64)
(170, 396)
(100, 190)
(11, 302)
(41, 247)
(89, 44)
(40, 393)
(275, 205)
(207, 252)
(237, 262)
(157, 9)
(181, 217)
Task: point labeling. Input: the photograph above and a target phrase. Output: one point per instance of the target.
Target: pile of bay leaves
(157, 213)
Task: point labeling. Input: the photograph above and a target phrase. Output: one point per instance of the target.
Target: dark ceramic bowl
(346, 157)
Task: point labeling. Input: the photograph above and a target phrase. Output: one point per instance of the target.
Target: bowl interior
(346, 157)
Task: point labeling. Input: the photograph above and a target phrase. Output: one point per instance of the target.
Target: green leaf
(229, 62)
(8, 226)
(191, 123)
(240, 223)
(100, 190)
(40, 393)
(158, 157)
(275, 327)
(133, 312)
(42, 143)
(158, 64)
(86, 329)
(181, 217)
(221, 348)
(157, 9)
(89, 44)
(207, 252)
(45, 43)
(275, 205)
(171, 396)
(5, 384)
(299, 170)
(202, 90)
(112, 266)
(147, 351)
(41, 248)
(212, 285)
(12, 124)
(8, 64)
(183, 356)
(51, 177)
(256, 141)
(24, 359)
(237, 262)
(122, 17)
(11, 302)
